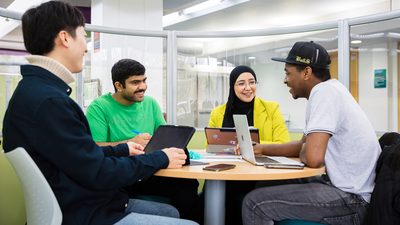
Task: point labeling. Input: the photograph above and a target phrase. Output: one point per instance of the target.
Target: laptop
(223, 140)
(246, 148)
(167, 136)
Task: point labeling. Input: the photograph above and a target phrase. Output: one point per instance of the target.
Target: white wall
(374, 101)
(271, 87)
(129, 14)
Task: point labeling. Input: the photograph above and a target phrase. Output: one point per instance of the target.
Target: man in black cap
(337, 135)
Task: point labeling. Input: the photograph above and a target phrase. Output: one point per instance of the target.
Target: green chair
(12, 206)
(296, 222)
(198, 140)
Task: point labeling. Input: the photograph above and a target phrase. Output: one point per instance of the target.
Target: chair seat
(297, 222)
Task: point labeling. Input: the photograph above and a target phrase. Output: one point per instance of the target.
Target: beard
(133, 97)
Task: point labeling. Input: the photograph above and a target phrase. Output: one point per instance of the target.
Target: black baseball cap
(309, 54)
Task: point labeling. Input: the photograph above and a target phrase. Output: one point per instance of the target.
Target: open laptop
(246, 148)
(223, 140)
(167, 136)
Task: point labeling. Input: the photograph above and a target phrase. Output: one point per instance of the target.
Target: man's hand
(237, 149)
(141, 139)
(176, 157)
(257, 148)
(134, 148)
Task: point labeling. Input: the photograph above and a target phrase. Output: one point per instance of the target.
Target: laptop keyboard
(265, 160)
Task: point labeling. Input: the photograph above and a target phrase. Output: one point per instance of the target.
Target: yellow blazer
(267, 118)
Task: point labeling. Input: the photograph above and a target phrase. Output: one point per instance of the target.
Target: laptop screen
(227, 135)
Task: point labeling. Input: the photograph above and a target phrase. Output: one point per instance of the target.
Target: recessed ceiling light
(251, 57)
(356, 41)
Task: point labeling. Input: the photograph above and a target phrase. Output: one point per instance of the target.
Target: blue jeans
(319, 202)
(143, 212)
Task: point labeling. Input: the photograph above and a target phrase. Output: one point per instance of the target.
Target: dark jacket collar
(31, 71)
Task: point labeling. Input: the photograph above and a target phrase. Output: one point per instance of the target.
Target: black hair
(124, 69)
(320, 73)
(40, 25)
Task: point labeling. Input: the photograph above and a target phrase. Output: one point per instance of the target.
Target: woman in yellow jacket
(261, 114)
(264, 115)
(267, 118)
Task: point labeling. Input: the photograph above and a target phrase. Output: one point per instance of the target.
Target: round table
(215, 188)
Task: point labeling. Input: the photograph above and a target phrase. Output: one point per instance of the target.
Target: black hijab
(234, 104)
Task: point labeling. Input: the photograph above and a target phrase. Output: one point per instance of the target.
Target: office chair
(41, 205)
(12, 205)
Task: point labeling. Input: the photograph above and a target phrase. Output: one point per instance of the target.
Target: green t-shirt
(110, 121)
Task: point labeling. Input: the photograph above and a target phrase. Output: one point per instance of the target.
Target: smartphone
(219, 167)
(284, 166)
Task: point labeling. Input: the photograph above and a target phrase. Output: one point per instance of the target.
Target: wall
(271, 87)
(129, 14)
(374, 101)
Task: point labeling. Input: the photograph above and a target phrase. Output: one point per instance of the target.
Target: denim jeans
(143, 212)
(315, 201)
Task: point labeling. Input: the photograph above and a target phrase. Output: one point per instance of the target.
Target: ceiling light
(393, 35)
(251, 57)
(367, 36)
(197, 10)
(356, 42)
(201, 6)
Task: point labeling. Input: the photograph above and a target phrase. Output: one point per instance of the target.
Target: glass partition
(374, 75)
(204, 65)
(104, 50)
(9, 78)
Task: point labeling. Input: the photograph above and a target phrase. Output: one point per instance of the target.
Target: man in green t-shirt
(129, 115)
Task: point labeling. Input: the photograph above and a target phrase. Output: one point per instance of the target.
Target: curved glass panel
(204, 65)
(374, 71)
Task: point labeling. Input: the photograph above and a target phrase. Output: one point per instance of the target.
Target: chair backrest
(41, 205)
(12, 205)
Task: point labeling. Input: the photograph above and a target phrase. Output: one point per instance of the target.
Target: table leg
(214, 207)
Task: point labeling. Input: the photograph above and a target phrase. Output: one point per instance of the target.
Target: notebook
(167, 136)
(223, 140)
(246, 148)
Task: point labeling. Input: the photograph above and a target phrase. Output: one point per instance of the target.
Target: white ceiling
(258, 14)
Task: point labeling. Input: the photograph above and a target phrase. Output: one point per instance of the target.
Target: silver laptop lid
(244, 139)
(246, 146)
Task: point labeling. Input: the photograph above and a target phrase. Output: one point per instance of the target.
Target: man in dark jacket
(41, 117)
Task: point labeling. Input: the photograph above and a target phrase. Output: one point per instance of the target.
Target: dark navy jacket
(86, 179)
(384, 208)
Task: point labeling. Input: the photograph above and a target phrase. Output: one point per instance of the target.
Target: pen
(136, 132)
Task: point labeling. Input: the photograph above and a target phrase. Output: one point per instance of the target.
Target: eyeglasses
(242, 84)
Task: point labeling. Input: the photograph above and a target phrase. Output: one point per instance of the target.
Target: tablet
(167, 136)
